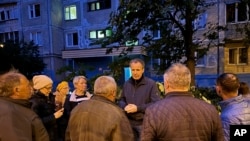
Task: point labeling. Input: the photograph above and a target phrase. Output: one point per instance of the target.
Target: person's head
(177, 78)
(15, 85)
(137, 68)
(42, 83)
(63, 88)
(243, 89)
(80, 83)
(105, 86)
(227, 85)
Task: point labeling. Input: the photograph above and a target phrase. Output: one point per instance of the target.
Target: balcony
(100, 52)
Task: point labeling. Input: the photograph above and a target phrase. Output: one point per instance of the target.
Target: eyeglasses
(48, 88)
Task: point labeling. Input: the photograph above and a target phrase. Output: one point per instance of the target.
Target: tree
(176, 21)
(22, 56)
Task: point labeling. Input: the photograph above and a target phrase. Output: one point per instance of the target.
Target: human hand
(59, 113)
(131, 108)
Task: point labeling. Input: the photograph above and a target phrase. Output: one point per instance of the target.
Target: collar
(179, 93)
(22, 102)
(225, 103)
(137, 82)
(102, 98)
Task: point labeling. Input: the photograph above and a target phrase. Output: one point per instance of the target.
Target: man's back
(181, 117)
(98, 119)
(20, 123)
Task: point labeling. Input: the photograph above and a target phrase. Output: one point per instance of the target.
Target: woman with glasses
(43, 104)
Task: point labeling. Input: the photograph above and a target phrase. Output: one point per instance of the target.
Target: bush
(207, 94)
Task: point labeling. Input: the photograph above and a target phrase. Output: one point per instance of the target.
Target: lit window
(98, 5)
(34, 10)
(36, 37)
(72, 39)
(70, 12)
(98, 34)
(238, 56)
(132, 43)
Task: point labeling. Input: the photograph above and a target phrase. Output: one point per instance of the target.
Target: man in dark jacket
(99, 119)
(137, 94)
(180, 116)
(18, 122)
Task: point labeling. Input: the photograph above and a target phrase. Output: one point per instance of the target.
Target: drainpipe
(218, 44)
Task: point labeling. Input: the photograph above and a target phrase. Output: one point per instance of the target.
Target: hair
(137, 60)
(229, 82)
(178, 76)
(77, 78)
(104, 85)
(8, 81)
(244, 88)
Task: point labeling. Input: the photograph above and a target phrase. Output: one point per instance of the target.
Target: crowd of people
(31, 111)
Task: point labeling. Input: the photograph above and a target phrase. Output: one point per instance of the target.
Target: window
(132, 43)
(34, 10)
(8, 13)
(70, 12)
(98, 5)
(237, 12)
(238, 56)
(200, 61)
(36, 37)
(98, 34)
(9, 36)
(72, 39)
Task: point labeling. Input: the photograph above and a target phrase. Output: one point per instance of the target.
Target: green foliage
(207, 94)
(174, 19)
(22, 56)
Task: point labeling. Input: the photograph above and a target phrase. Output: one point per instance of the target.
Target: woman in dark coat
(43, 104)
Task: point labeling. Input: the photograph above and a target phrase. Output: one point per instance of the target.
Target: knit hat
(40, 81)
(61, 85)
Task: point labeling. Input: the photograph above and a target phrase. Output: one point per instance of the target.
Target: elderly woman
(79, 94)
(43, 105)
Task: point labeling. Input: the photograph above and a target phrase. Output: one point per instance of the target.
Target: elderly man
(18, 122)
(235, 109)
(99, 119)
(180, 116)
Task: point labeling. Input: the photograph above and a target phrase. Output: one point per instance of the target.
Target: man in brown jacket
(99, 119)
(180, 116)
(18, 122)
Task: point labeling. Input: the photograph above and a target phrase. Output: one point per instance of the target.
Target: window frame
(235, 58)
(34, 12)
(99, 5)
(97, 33)
(68, 14)
(73, 34)
(233, 12)
(37, 38)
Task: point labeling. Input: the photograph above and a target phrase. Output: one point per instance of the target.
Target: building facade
(65, 29)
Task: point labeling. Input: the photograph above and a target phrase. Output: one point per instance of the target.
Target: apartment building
(65, 29)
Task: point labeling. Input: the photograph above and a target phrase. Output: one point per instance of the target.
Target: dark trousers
(137, 132)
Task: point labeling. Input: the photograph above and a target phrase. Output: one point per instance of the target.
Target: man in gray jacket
(180, 116)
(235, 109)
